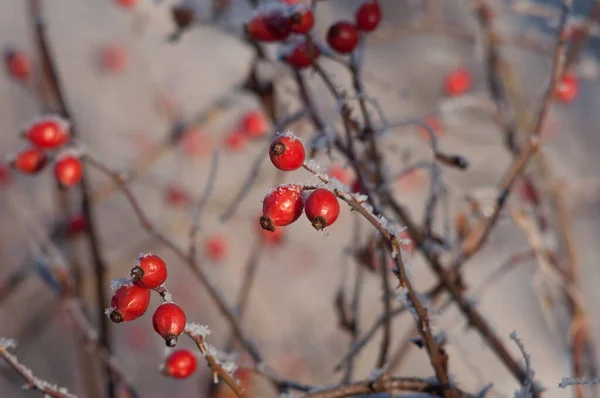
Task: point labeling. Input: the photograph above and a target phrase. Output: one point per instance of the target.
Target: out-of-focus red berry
(196, 142)
(567, 88)
(255, 124)
(215, 247)
(236, 141)
(176, 196)
(434, 123)
(18, 65)
(114, 58)
(458, 82)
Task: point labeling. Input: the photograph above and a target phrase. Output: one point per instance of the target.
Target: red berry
(30, 161)
(409, 245)
(114, 58)
(18, 65)
(342, 37)
(196, 142)
(76, 225)
(567, 88)
(150, 271)
(269, 27)
(255, 124)
(5, 177)
(336, 171)
(282, 206)
(169, 321)
(180, 364)
(322, 208)
(302, 54)
(49, 132)
(216, 248)
(128, 303)
(127, 3)
(235, 141)
(287, 153)
(458, 82)
(176, 196)
(368, 16)
(68, 170)
(302, 20)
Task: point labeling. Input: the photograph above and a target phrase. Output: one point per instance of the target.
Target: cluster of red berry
(278, 22)
(284, 204)
(46, 134)
(132, 299)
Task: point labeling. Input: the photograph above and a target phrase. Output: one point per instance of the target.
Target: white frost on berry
(283, 51)
(195, 329)
(140, 257)
(290, 134)
(109, 311)
(116, 284)
(266, 8)
(6, 343)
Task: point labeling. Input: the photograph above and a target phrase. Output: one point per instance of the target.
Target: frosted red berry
(169, 321)
(302, 55)
(18, 65)
(68, 170)
(287, 153)
(48, 133)
(567, 88)
(343, 37)
(322, 208)
(150, 271)
(458, 82)
(368, 16)
(269, 27)
(302, 21)
(128, 303)
(282, 206)
(180, 364)
(216, 247)
(30, 161)
(255, 124)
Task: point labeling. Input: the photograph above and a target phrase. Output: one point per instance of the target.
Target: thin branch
(387, 306)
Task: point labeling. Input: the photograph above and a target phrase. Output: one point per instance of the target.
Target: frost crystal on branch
(195, 329)
(6, 343)
(571, 381)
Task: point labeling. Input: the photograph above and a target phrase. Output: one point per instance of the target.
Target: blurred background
(175, 114)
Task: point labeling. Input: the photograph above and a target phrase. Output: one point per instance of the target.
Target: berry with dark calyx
(169, 321)
(49, 132)
(18, 65)
(458, 82)
(282, 206)
(302, 21)
(180, 364)
(68, 170)
(368, 16)
(128, 303)
(269, 27)
(343, 37)
(30, 161)
(150, 271)
(322, 208)
(302, 54)
(287, 153)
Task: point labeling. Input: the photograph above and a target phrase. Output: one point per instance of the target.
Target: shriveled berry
(282, 206)
(255, 124)
(343, 37)
(30, 161)
(128, 303)
(180, 364)
(322, 208)
(302, 54)
(269, 27)
(169, 321)
(68, 170)
(287, 153)
(49, 132)
(18, 65)
(458, 82)
(302, 21)
(150, 271)
(567, 88)
(368, 16)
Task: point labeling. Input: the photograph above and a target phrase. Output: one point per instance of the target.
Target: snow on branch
(529, 386)
(32, 382)
(572, 381)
